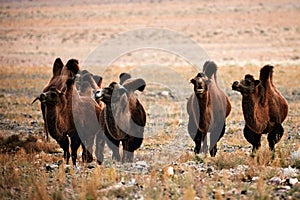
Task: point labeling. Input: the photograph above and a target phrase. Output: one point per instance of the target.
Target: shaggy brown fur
(264, 108)
(58, 79)
(207, 108)
(62, 109)
(124, 117)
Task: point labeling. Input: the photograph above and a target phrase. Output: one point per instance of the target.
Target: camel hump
(133, 84)
(73, 65)
(123, 77)
(266, 73)
(209, 68)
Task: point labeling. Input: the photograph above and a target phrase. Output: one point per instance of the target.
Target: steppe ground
(240, 36)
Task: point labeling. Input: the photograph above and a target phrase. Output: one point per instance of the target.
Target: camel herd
(78, 111)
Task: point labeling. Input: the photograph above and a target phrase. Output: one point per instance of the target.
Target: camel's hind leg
(275, 135)
(252, 138)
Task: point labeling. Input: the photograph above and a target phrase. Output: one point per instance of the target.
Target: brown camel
(68, 114)
(207, 108)
(264, 108)
(60, 74)
(124, 117)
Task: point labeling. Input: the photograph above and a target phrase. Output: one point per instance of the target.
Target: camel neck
(51, 120)
(254, 113)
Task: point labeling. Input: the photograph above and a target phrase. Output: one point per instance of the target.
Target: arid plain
(240, 37)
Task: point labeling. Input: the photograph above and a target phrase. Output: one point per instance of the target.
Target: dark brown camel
(264, 108)
(60, 74)
(124, 117)
(207, 108)
(60, 107)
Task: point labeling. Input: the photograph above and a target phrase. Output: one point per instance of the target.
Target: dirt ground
(240, 36)
(33, 33)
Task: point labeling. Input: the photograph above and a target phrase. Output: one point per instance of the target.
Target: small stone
(244, 192)
(67, 170)
(170, 171)
(122, 181)
(60, 162)
(91, 166)
(255, 178)
(132, 182)
(48, 168)
(164, 93)
(293, 181)
(209, 170)
(290, 172)
(275, 181)
(142, 163)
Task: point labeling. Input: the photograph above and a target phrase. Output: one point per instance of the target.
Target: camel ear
(257, 82)
(57, 67)
(193, 81)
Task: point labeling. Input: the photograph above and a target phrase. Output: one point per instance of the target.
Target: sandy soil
(242, 36)
(34, 33)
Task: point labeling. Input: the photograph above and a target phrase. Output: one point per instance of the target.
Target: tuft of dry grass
(231, 174)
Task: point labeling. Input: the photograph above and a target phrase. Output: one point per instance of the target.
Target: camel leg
(64, 144)
(100, 143)
(87, 155)
(213, 150)
(129, 146)
(197, 139)
(252, 138)
(87, 147)
(275, 135)
(113, 145)
(75, 143)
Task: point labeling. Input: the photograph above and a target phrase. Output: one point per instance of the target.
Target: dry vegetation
(33, 169)
(239, 36)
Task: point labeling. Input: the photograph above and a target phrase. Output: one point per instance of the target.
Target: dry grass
(231, 174)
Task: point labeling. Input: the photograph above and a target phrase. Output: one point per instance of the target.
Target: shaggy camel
(264, 108)
(124, 117)
(60, 107)
(60, 74)
(207, 108)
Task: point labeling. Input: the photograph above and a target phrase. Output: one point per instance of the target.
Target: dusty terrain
(239, 36)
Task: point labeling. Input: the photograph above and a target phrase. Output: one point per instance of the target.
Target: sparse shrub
(227, 160)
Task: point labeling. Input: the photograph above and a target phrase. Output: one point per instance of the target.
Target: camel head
(52, 97)
(113, 93)
(200, 82)
(247, 85)
(116, 91)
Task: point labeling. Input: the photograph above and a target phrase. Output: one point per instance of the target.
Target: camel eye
(53, 95)
(247, 82)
